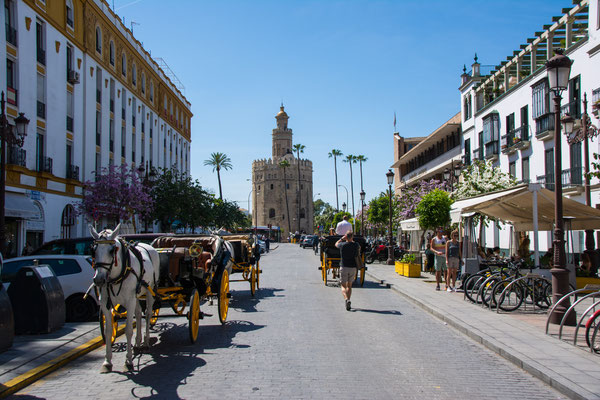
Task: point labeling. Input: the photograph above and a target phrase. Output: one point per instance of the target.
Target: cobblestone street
(296, 340)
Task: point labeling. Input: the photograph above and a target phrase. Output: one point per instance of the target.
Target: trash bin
(7, 323)
(37, 299)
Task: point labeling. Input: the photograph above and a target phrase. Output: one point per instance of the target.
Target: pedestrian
(343, 227)
(349, 252)
(430, 256)
(27, 250)
(267, 243)
(438, 245)
(452, 260)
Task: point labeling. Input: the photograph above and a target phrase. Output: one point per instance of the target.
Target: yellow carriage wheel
(194, 315)
(114, 326)
(223, 297)
(154, 317)
(252, 280)
(257, 275)
(325, 272)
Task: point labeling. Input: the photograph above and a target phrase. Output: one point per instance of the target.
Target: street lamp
(390, 181)
(347, 198)
(362, 212)
(8, 137)
(559, 68)
(344, 207)
(585, 131)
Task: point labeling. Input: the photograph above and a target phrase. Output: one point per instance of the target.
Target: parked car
(82, 246)
(74, 272)
(309, 241)
(261, 245)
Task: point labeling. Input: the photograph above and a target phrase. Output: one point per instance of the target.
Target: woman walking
(452, 260)
(438, 245)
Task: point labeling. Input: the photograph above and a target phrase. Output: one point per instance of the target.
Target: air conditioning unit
(73, 77)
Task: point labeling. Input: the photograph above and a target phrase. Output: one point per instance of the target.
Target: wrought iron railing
(44, 164)
(572, 108)
(11, 96)
(544, 124)
(73, 172)
(11, 35)
(546, 180)
(569, 178)
(17, 156)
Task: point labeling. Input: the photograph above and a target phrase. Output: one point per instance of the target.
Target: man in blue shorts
(349, 251)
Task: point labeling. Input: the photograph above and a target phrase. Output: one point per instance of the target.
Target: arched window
(67, 223)
(151, 92)
(302, 214)
(133, 75)
(271, 213)
(111, 51)
(143, 83)
(123, 64)
(98, 40)
(69, 10)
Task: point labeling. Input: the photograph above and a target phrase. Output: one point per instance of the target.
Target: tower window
(271, 186)
(271, 213)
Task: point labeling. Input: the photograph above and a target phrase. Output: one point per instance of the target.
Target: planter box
(584, 280)
(412, 270)
(399, 267)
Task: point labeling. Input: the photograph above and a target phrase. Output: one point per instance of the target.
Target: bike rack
(483, 288)
(594, 339)
(570, 309)
(535, 278)
(590, 308)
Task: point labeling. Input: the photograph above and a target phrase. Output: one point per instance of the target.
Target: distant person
(430, 257)
(27, 250)
(343, 227)
(438, 245)
(349, 252)
(267, 243)
(452, 260)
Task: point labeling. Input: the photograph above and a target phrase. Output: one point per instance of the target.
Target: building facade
(508, 113)
(283, 197)
(94, 97)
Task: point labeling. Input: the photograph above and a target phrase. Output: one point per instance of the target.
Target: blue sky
(342, 68)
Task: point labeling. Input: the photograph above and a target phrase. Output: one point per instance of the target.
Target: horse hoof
(128, 366)
(106, 368)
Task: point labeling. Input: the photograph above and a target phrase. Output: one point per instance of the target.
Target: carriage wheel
(154, 317)
(223, 298)
(361, 276)
(257, 275)
(194, 315)
(114, 326)
(325, 274)
(252, 280)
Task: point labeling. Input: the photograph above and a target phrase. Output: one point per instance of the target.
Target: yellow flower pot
(585, 280)
(412, 270)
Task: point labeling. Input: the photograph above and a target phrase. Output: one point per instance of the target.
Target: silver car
(74, 272)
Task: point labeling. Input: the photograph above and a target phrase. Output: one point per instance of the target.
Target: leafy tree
(378, 211)
(227, 214)
(434, 210)
(336, 153)
(285, 164)
(219, 161)
(117, 194)
(324, 214)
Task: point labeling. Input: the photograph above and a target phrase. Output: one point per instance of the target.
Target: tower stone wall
(271, 186)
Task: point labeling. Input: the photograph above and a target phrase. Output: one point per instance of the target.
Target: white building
(507, 114)
(94, 97)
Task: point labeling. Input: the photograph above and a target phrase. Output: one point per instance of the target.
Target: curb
(15, 384)
(528, 365)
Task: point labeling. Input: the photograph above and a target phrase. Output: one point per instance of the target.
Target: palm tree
(299, 148)
(350, 159)
(361, 159)
(285, 164)
(219, 161)
(336, 153)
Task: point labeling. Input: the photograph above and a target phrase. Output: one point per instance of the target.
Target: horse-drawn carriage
(245, 260)
(330, 258)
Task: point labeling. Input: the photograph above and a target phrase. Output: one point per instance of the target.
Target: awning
(411, 224)
(19, 206)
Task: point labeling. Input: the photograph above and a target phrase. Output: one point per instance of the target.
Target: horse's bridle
(105, 265)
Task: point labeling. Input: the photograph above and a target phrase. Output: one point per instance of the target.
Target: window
(133, 148)
(123, 64)
(98, 40)
(40, 40)
(468, 151)
(510, 124)
(143, 83)
(491, 127)
(67, 222)
(41, 96)
(540, 99)
(271, 213)
(111, 135)
(123, 103)
(98, 86)
(467, 107)
(69, 12)
(133, 112)
(40, 151)
(151, 92)
(111, 52)
(11, 82)
(70, 54)
(122, 142)
(576, 171)
(9, 14)
(98, 128)
(98, 165)
(133, 75)
(524, 116)
(70, 111)
(512, 169)
(549, 167)
(525, 170)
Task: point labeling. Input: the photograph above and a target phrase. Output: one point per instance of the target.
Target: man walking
(343, 226)
(349, 251)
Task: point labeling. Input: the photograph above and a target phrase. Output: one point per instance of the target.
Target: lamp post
(344, 207)
(362, 212)
(586, 130)
(347, 198)
(559, 68)
(390, 181)
(8, 137)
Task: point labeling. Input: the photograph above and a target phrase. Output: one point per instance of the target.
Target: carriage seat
(208, 243)
(204, 260)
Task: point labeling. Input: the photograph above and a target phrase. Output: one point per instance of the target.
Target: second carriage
(330, 258)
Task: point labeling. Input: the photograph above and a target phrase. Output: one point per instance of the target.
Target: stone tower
(270, 186)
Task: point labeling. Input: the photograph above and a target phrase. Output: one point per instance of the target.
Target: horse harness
(125, 268)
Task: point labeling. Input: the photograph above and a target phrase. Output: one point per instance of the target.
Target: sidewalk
(33, 356)
(520, 338)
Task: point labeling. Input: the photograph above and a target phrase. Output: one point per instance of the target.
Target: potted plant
(411, 268)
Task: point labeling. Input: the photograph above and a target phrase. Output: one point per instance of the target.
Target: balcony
(572, 108)
(11, 35)
(69, 124)
(11, 96)
(491, 150)
(41, 56)
(17, 156)
(41, 110)
(72, 172)
(544, 127)
(517, 139)
(570, 178)
(98, 96)
(44, 164)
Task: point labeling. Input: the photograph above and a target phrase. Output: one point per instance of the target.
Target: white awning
(19, 206)
(411, 224)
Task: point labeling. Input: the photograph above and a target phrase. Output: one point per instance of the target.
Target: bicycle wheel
(471, 286)
(542, 293)
(513, 296)
(486, 290)
(590, 326)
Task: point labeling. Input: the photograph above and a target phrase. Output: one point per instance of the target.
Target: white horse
(122, 279)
